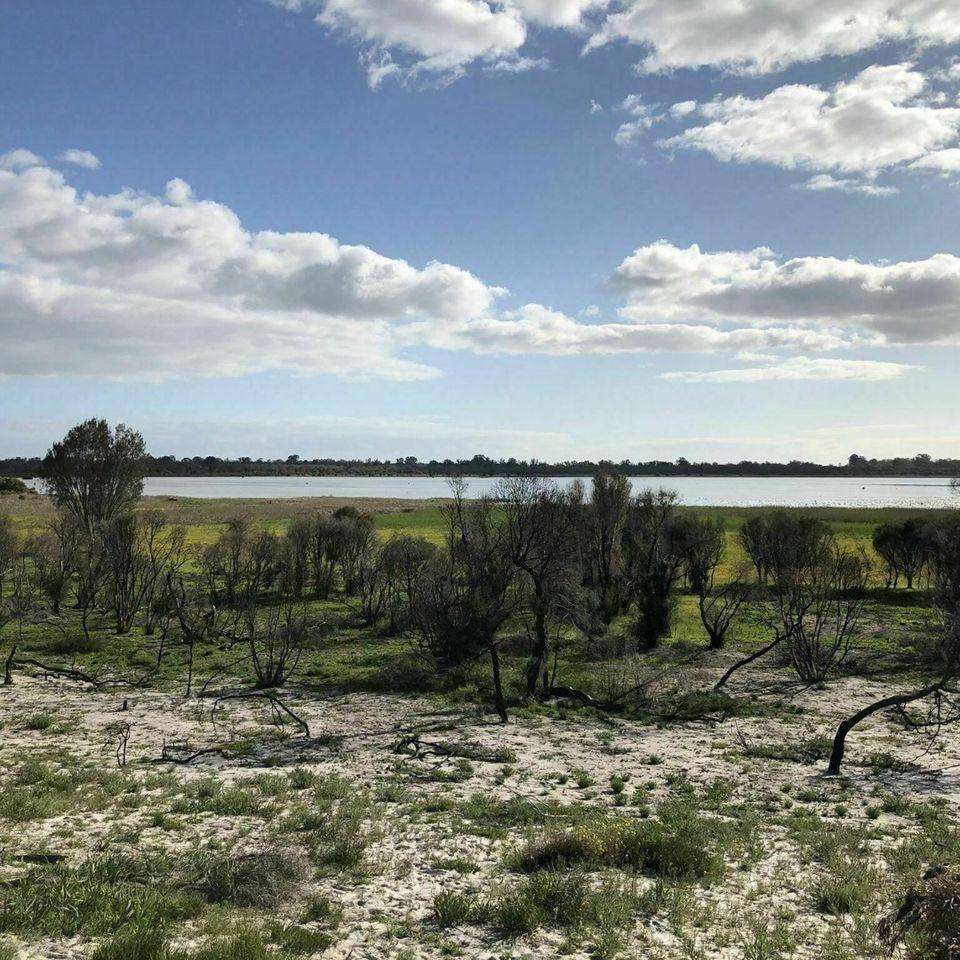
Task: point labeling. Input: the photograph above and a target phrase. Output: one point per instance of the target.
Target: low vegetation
(585, 721)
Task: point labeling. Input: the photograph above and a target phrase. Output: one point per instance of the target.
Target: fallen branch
(277, 705)
(167, 754)
(411, 745)
(746, 661)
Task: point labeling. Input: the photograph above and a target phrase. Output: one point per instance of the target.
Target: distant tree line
(921, 465)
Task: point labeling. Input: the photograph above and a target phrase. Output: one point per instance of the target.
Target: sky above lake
(563, 229)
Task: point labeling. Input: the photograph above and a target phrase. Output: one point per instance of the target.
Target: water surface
(916, 492)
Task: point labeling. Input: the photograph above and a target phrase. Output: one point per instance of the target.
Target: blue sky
(576, 228)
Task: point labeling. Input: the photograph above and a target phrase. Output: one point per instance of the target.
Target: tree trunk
(840, 740)
(499, 700)
(536, 666)
(745, 661)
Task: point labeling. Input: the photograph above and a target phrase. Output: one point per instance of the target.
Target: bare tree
(96, 473)
(941, 692)
(818, 607)
(55, 555)
(372, 584)
(127, 569)
(276, 644)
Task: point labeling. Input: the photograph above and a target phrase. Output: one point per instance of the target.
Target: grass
(680, 844)
(549, 899)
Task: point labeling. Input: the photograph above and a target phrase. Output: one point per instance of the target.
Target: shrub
(679, 845)
(12, 485)
(251, 880)
(928, 922)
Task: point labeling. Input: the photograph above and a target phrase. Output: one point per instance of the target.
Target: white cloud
(558, 13)
(824, 181)
(642, 118)
(131, 285)
(798, 368)
(20, 159)
(80, 158)
(538, 329)
(881, 119)
(943, 161)
(134, 286)
(406, 38)
(759, 36)
(909, 302)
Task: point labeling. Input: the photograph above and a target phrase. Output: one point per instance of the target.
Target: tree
(904, 548)
(464, 596)
(8, 547)
(608, 509)
(818, 607)
(941, 691)
(96, 473)
(541, 525)
(654, 564)
(718, 604)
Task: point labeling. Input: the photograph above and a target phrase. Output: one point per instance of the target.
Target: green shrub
(12, 485)
(679, 845)
(928, 923)
(451, 908)
(252, 880)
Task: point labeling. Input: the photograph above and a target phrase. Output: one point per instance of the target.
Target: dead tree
(942, 693)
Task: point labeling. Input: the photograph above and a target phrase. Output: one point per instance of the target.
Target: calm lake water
(919, 492)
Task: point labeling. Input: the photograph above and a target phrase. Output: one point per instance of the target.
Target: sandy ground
(354, 737)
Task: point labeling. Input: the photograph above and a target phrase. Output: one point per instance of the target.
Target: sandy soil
(354, 737)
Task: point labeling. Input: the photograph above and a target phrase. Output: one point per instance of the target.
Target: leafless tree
(372, 584)
(127, 569)
(55, 554)
(941, 693)
(8, 547)
(276, 644)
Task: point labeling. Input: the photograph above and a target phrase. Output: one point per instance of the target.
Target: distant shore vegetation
(921, 465)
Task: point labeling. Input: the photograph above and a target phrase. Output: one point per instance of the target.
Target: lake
(918, 492)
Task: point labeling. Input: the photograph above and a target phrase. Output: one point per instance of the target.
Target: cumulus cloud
(20, 159)
(405, 38)
(910, 302)
(798, 368)
(759, 36)
(883, 118)
(138, 286)
(135, 286)
(80, 158)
